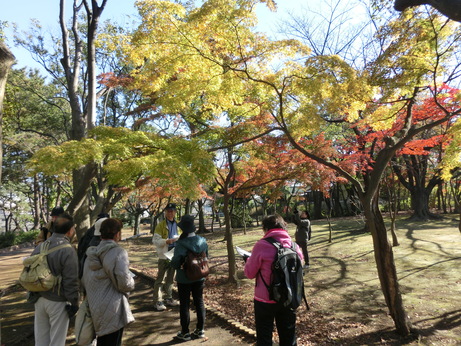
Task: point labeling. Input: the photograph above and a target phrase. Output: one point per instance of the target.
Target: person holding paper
(258, 266)
(165, 236)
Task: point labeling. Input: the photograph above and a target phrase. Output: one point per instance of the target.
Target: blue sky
(47, 13)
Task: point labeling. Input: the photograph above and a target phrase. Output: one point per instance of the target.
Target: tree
(450, 8)
(6, 61)
(418, 164)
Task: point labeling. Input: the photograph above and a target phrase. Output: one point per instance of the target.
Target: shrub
(25, 237)
(12, 238)
(6, 239)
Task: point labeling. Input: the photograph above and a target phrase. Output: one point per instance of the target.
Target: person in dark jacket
(303, 233)
(92, 237)
(189, 241)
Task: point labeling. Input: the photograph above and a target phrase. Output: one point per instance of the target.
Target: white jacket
(107, 281)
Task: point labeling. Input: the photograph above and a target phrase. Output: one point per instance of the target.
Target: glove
(71, 310)
(295, 210)
(44, 229)
(245, 257)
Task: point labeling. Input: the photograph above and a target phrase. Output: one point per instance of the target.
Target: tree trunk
(6, 61)
(137, 217)
(36, 201)
(229, 241)
(201, 217)
(387, 271)
(420, 205)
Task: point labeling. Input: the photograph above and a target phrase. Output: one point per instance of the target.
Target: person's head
(64, 224)
(97, 225)
(187, 225)
(55, 212)
(304, 215)
(273, 221)
(111, 229)
(170, 211)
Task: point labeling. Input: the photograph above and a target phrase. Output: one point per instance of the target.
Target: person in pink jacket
(260, 264)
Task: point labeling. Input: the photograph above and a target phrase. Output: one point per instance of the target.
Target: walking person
(165, 236)
(189, 241)
(259, 266)
(303, 233)
(55, 307)
(107, 281)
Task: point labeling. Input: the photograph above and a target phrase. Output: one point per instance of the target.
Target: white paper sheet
(242, 252)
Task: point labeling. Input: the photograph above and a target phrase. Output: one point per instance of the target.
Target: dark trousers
(303, 246)
(112, 339)
(285, 320)
(184, 291)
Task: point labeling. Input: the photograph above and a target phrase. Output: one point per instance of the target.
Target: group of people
(107, 281)
(181, 237)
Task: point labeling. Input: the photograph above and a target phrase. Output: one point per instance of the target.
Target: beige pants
(51, 323)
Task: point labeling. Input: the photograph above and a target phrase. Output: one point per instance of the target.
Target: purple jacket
(261, 259)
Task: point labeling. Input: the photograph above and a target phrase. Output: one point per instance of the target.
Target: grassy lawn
(342, 286)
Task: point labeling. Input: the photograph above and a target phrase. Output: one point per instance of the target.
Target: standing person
(259, 266)
(189, 241)
(303, 233)
(92, 237)
(165, 236)
(54, 308)
(47, 231)
(107, 281)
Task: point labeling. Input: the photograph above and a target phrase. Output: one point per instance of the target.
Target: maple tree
(418, 164)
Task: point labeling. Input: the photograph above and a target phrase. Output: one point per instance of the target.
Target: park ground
(347, 306)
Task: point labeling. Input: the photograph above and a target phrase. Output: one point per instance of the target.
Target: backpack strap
(45, 245)
(278, 246)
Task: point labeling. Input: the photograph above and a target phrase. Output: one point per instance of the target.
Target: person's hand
(71, 310)
(245, 257)
(171, 240)
(295, 210)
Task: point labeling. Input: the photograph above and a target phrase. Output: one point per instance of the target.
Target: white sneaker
(159, 306)
(171, 302)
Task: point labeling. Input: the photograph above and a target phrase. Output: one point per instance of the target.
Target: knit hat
(57, 211)
(97, 226)
(187, 224)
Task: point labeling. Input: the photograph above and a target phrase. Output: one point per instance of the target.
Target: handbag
(84, 328)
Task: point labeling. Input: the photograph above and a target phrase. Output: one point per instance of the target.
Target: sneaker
(306, 266)
(183, 336)
(171, 302)
(199, 333)
(159, 306)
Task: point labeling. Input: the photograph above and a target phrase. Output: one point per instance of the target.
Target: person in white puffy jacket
(165, 236)
(108, 281)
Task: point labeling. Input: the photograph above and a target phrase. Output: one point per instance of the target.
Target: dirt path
(150, 327)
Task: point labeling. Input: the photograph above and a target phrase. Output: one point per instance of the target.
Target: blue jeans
(184, 291)
(285, 320)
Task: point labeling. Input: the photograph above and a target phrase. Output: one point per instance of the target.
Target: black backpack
(287, 283)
